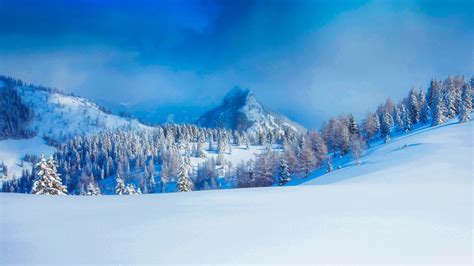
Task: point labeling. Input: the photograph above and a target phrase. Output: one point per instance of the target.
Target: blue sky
(307, 59)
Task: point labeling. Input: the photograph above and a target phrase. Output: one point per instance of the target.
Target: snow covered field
(402, 205)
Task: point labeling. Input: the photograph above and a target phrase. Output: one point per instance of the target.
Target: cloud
(308, 59)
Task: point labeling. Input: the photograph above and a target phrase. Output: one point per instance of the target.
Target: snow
(239, 154)
(404, 204)
(61, 116)
(240, 110)
(13, 150)
(409, 157)
(64, 115)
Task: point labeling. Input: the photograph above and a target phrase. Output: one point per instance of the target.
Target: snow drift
(405, 204)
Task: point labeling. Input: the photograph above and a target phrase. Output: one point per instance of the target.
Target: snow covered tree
(131, 190)
(149, 174)
(353, 127)
(385, 125)
(211, 146)
(200, 151)
(413, 108)
(319, 147)
(184, 182)
(120, 187)
(466, 104)
(424, 108)
(370, 126)
(329, 133)
(48, 181)
(450, 101)
(343, 137)
(398, 118)
(221, 146)
(284, 175)
(405, 117)
(306, 157)
(265, 169)
(433, 91)
(357, 146)
(4, 169)
(438, 110)
(93, 189)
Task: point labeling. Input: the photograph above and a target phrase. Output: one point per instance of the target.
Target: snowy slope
(408, 158)
(59, 116)
(241, 111)
(410, 205)
(63, 115)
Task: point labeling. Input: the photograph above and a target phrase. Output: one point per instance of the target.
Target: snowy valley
(395, 187)
(227, 132)
(410, 201)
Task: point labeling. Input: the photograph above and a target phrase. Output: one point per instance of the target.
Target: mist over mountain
(240, 110)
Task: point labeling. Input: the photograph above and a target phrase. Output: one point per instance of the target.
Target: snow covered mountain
(56, 114)
(409, 202)
(29, 113)
(241, 111)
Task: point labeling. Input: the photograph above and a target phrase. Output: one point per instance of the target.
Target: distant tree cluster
(145, 161)
(15, 115)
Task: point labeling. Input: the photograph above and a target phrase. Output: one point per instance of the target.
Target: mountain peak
(237, 95)
(241, 111)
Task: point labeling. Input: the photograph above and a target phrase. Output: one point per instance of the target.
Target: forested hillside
(97, 152)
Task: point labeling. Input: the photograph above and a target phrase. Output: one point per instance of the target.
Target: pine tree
(211, 146)
(120, 188)
(200, 151)
(353, 128)
(319, 147)
(438, 110)
(131, 190)
(48, 181)
(467, 95)
(433, 91)
(450, 104)
(184, 182)
(4, 170)
(405, 117)
(284, 175)
(424, 108)
(466, 104)
(92, 189)
(385, 125)
(150, 176)
(413, 108)
(343, 137)
(398, 118)
(221, 147)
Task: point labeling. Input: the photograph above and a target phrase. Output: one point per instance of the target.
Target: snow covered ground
(404, 204)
